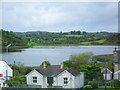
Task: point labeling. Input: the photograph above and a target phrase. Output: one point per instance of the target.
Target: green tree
(95, 83)
(92, 71)
(115, 83)
(105, 59)
(17, 80)
(79, 59)
(46, 62)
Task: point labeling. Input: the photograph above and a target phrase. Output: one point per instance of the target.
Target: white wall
(59, 80)
(45, 82)
(30, 76)
(79, 80)
(117, 75)
(5, 70)
(108, 76)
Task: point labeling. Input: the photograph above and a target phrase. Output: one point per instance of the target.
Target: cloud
(60, 16)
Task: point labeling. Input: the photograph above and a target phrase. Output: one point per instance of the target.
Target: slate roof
(54, 70)
(103, 69)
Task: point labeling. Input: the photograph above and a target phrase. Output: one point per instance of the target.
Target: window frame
(65, 80)
(34, 79)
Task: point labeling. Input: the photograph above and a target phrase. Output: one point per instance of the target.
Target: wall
(59, 80)
(79, 80)
(117, 75)
(35, 73)
(108, 76)
(3, 69)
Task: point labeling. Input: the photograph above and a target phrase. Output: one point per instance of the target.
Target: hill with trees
(37, 38)
(71, 38)
(13, 39)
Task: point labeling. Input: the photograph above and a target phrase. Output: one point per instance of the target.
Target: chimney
(61, 66)
(115, 48)
(44, 65)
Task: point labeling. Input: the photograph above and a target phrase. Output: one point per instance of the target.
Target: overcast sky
(60, 16)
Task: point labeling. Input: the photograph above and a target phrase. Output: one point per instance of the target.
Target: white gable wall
(107, 76)
(5, 70)
(59, 80)
(117, 75)
(32, 74)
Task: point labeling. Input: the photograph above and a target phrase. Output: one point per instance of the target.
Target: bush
(115, 83)
(95, 83)
(87, 86)
(17, 80)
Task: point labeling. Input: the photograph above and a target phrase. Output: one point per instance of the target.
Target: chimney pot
(44, 65)
(61, 66)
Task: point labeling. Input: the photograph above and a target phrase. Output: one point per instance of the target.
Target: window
(34, 79)
(65, 80)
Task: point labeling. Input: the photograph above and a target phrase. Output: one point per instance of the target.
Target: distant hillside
(71, 38)
(34, 38)
(13, 39)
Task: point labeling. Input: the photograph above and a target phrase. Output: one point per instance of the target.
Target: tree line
(62, 38)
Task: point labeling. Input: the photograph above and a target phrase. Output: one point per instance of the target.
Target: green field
(85, 43)
(100, 41)
(91, 42)
(74, 35)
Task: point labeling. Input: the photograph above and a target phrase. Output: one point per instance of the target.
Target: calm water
(55, 54)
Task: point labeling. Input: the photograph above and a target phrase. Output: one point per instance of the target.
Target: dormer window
(65, 80)
(34, 79)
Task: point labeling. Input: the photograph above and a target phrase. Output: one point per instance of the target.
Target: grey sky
(60, 16)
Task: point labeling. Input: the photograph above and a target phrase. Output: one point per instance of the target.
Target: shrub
(94, 83)
(16, 80)
(115, 83)
(87, 86)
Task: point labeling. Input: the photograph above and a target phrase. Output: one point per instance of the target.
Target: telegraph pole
(14, 69)
(7, 50)
(105, 73)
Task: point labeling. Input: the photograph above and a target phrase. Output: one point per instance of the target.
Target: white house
(117, 75)
(56, 76)
(5, 72)
(107, 73)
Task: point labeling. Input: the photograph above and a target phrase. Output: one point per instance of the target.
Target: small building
(107, 74)
(56, 76)
(117, 75)
(5, 72)
(116, 58)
